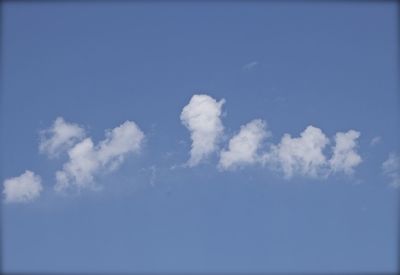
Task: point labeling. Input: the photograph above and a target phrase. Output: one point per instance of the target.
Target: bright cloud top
(244, 147)
(202, 117)
(391, 169)
(60, 137)
(24, 188)
(345, 157)
(303, 155)
(86, 159)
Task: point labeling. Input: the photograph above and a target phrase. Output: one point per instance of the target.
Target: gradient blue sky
(331, 65)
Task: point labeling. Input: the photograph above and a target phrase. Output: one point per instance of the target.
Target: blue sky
(149, 201)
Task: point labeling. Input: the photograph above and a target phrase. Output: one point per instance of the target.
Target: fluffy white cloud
(391, 169)
(59, 137)
(244, 147)
(202, 117)
(345, 157)
(127, 138)
(86, 159)
(24, 188)
(303, 155)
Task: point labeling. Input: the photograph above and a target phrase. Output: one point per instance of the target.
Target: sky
(199, 137)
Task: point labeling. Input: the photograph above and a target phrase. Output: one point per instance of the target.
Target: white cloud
(250, 65)
(59, 137)
(345, 157)
(302, 155)
(202, 118)
(126, 138)
(244, 147)
(391, 169)
(79, 170)
(86, 159)
(24, 188)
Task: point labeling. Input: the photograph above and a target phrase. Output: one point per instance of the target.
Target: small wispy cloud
(280, 99)
(250, 66)
(153, 174)
(374, 141)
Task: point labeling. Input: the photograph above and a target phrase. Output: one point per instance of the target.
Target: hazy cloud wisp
(250, 65)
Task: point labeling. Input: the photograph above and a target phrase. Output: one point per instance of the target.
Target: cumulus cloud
(303, 155)
(202, 117)
(87, 159)
(244, 147)
(59, 137)
(391, 169)
(345, 157)
(24, 188)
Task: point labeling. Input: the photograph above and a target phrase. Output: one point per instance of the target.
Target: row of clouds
(302, 155)
(311, 154)
(85, 159)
